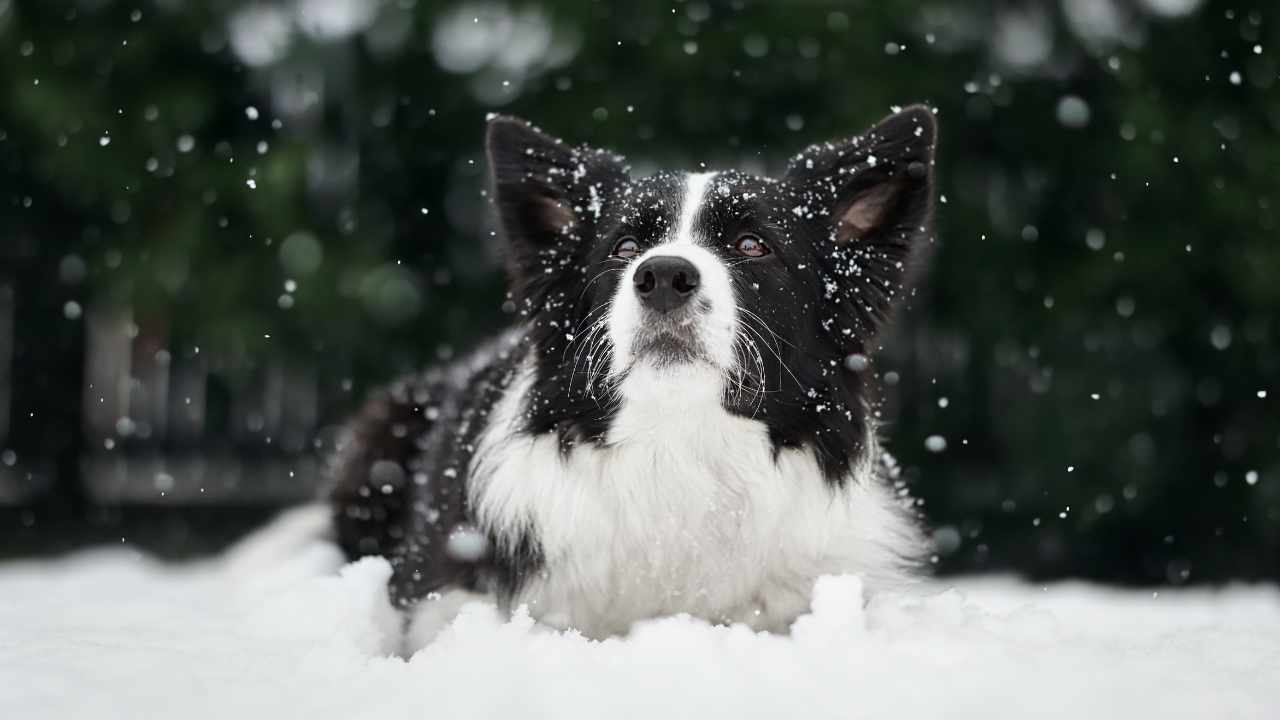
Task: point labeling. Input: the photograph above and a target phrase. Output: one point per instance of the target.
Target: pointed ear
(874, 195)
(547, 193)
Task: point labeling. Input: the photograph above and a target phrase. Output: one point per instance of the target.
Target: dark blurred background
(221, 222)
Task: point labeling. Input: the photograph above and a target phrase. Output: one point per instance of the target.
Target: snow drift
(287, 630)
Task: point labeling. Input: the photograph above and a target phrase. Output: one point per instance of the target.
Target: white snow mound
(113, 634)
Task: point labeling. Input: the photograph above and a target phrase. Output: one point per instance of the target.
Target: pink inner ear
(555, 215)
(867, 212)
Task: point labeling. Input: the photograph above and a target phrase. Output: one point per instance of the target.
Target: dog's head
(770, 285)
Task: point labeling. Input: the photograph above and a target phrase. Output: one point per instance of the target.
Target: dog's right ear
(548, 194)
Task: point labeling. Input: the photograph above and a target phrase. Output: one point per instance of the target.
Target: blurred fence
(158, 424)
(15, 482)
(111, 432)
(162, 424)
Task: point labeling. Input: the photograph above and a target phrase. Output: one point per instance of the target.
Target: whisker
(587, 318)
(759, 361)
(748, 317)
(601, 274)
(744, 345)
(582, 341)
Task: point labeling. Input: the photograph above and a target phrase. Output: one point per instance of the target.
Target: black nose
(664, 283)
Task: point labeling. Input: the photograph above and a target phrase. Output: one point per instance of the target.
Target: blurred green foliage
(1096, 339)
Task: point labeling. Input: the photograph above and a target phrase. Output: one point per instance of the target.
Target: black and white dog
(679, 422)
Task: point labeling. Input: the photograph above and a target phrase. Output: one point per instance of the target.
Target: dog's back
(398, 473)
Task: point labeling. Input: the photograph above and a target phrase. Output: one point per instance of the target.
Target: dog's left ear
(874, 196)
(548, 193)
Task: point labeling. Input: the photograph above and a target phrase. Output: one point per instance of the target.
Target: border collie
(680, 421)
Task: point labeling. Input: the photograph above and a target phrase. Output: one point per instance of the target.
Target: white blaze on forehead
(695, 189)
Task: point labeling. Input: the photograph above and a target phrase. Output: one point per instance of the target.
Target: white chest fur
(685, 509)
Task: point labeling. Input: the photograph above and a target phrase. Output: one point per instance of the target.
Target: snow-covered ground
(112, 634)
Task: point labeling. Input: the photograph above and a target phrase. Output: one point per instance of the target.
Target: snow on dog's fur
(680, 420)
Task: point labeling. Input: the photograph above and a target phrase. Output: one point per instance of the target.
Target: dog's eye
(626, 248)
(751, 246)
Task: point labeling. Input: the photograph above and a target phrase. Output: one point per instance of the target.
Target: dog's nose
(665, 282)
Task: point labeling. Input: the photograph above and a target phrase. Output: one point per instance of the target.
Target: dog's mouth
(668, 341)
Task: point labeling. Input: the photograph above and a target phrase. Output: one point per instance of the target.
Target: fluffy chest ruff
(685, 508)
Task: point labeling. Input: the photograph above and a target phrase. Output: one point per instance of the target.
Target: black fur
(400, 470)
(819, 297)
